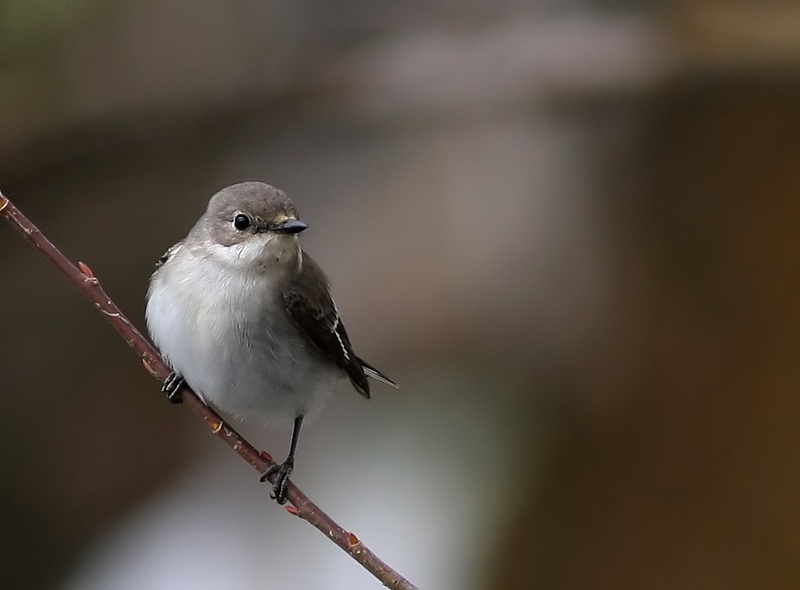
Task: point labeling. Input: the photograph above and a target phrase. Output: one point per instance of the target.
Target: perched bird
(245, 317)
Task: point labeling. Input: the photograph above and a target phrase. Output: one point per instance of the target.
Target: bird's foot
(172, 385)
(280, 487)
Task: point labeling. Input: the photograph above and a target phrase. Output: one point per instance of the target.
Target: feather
(308, 302)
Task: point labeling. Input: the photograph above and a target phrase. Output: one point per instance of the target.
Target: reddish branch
(83, 278)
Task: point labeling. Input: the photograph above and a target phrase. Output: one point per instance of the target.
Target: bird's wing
(308, 301)
(168, 254)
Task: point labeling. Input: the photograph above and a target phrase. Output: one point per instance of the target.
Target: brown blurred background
(569, 230)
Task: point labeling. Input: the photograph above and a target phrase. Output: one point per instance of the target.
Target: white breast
(226, 332)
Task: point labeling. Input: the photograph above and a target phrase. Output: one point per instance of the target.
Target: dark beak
(290, 226)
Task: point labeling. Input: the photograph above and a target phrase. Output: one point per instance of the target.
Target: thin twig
(83, 278)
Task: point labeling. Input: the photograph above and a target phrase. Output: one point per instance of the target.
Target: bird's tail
(371, 371)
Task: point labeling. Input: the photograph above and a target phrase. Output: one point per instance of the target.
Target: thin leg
(172, 385)
(284, 469)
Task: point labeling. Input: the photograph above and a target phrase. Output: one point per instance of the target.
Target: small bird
(245, 317)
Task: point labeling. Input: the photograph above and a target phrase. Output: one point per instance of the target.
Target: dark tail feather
(371, 371)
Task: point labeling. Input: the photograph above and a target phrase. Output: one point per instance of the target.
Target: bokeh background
(570, 230)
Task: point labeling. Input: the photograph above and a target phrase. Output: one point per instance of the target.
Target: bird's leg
(172, 385)
(284, 469)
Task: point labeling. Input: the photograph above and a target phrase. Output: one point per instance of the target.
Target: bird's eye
(241, 222)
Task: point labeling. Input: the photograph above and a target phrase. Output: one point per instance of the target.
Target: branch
(83, 278)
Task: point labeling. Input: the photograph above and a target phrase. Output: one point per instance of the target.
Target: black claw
(281, 485)
(172, 385)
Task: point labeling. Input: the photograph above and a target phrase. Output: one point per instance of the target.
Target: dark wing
(167, 255)
(308, 301)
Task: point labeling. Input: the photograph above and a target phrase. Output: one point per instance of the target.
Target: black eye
(241, 222)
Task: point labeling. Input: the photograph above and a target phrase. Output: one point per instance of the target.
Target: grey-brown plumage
(245, 316)
(308, 302)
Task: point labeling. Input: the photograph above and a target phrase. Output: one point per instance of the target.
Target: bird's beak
(290, 226)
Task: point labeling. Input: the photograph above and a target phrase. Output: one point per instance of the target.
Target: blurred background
(569, 230)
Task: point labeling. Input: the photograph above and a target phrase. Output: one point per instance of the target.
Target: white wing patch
(336, 332)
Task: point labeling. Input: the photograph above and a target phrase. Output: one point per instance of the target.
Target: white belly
(233, 343)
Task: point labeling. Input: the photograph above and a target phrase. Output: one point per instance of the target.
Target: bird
(244, 316)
